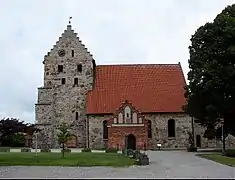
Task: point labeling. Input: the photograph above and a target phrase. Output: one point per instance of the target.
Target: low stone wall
(73, 150)
(77, 150)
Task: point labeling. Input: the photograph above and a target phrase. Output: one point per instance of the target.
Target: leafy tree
(211, 91)
(30, 129)
(14, 140)
(64, 135)
(10, 128)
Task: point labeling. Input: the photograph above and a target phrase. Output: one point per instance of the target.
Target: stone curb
(57, 150)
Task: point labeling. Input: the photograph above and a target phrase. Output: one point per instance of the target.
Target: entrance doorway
(198, 141)
(131, 142)
(72, 143)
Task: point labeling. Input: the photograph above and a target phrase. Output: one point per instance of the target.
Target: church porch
(134, 136)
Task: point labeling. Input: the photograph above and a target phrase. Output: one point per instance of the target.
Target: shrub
(66, 150)
(45, 150)
(136, 154)
(111, 150)
(130, 152)
(230, 153)
(4, 149)
(25, 150)
(86, 150)
(142, 160)
(14, 140)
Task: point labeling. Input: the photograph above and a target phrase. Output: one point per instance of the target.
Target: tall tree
(64, 135)
(10, 127)
(211, 91)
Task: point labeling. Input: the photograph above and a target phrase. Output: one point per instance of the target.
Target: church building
(137, 105)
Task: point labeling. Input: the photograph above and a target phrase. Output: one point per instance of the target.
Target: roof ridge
(178, 64)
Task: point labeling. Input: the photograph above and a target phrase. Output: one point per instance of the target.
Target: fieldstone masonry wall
(205, 143)
(160, 130)
(96, 131)
(45, 95)
(43, 138)
(59, 102)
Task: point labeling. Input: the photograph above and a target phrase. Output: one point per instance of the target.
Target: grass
(70, 159)
(219, 158)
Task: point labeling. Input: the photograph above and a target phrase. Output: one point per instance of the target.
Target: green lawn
(219, 158)
(70, 159)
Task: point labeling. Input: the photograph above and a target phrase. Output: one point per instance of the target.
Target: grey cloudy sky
(114, 31)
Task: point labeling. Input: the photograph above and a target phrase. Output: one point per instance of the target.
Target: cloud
(134, 31)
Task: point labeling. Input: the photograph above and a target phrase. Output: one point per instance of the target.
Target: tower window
(60, 68)
(72, 53)
(171, 128)
(79, 68)
(149, 129)
(63, 81)
(76, 115)
(75, 80)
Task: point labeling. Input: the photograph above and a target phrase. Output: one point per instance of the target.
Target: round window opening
(61, 53)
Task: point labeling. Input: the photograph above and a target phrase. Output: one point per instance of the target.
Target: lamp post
(222, 136)
(36, 143)
(126, 145)
(192, 123)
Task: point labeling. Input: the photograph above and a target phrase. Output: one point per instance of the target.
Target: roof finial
(70, 19)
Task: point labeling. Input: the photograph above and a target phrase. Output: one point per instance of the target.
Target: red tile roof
(149, 87)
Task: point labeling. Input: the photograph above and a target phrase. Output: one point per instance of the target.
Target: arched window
(134, 118)
(171, 128)
(149, 129)
(120, 118)
(127, 114)
(105, 129)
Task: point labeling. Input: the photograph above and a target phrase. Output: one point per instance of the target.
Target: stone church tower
(68, 76)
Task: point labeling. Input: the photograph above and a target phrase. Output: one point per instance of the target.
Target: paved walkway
(165, 164)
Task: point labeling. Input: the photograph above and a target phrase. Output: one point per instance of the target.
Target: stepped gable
(68, 32)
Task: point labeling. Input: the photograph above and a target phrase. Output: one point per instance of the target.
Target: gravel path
(164, 164)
